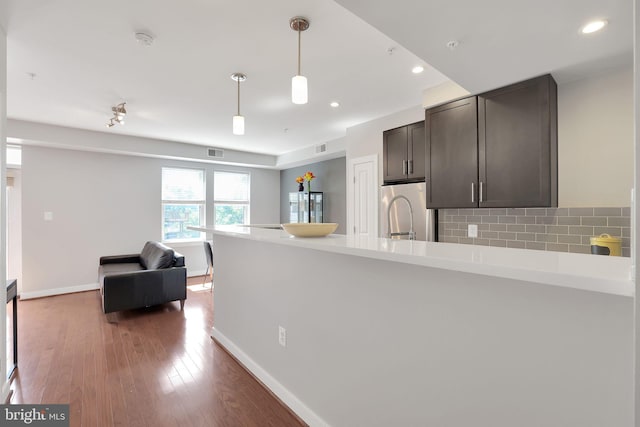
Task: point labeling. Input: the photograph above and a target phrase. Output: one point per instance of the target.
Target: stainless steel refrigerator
(399, 203)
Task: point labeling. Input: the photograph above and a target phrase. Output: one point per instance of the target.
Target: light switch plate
(472, 230)
(48, 216)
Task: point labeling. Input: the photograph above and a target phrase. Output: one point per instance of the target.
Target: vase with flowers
(300, 181)
(309, 176)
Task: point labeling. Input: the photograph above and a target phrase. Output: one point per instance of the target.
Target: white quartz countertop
(611, 275)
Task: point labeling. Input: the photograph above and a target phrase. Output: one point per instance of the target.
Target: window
(231, 198)
(183, 201)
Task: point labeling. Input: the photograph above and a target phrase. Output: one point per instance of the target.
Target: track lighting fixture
(118, 115)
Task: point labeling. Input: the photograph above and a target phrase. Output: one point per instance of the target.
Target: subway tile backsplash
(551, 229)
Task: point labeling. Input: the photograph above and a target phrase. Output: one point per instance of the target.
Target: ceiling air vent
(321, 148)
(215, 152)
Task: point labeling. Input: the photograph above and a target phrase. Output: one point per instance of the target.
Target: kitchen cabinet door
(395, 154)
(416, 151)
(517, 145)
(403, 150)
(452, 154)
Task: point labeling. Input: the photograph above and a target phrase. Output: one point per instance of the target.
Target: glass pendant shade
(238, 125)
(299, 90)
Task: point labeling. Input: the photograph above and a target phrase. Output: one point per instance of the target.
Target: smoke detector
(144, 39)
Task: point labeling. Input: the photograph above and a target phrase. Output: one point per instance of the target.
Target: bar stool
(209, 253)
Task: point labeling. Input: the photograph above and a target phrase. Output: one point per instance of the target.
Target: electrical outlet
(48, 216)
(282, 336)
(472, 230)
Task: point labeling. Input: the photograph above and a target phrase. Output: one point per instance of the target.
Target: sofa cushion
(155, 255)
(119, 268)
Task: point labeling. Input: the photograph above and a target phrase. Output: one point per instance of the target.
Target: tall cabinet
(306, 207)
(497, 149)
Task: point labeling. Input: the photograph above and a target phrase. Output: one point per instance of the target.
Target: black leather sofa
(154, 276)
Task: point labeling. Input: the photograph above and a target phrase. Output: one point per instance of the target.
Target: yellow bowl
(319, 229)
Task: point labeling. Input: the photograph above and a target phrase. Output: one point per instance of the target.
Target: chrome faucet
(411, 233)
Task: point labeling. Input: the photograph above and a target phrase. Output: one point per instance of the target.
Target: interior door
(363, 196)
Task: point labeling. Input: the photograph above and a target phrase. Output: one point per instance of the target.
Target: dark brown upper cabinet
(452, 154)
(517, 145)
(404, 154)
(497, 149)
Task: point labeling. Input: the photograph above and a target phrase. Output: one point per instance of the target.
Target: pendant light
(238, 120)
(299, 82)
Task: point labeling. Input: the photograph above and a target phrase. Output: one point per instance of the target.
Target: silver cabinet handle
(473, 192)
(480, 191)
(404, 167)
(410, 167)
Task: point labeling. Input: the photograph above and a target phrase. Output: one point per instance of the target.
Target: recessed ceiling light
(417, 69)
(593, 26)
(335, 104)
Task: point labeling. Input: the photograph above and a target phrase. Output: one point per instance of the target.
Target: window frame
(202, 203)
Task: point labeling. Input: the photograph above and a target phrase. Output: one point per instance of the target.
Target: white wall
(330, 179)
(14, 226)
(3, 250)
(366, 139)
(442, 93)
(105, 204)
(106, 142)
(595, 140)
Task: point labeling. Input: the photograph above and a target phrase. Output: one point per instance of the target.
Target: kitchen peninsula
(382, 332)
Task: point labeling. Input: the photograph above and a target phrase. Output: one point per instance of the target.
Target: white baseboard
(59, 291)
(191, 273)
(289, 399)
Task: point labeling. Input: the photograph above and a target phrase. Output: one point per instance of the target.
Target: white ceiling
(86, 59)
(505, 41)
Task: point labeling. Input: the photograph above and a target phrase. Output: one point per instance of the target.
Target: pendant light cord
(238, 96)
(299, 49)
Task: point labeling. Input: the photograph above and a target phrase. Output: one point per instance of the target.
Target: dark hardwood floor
(154, 367)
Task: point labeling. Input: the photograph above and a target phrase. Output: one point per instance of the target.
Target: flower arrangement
(308, 176)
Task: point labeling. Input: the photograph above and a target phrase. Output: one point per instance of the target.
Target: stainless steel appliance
(405, 214)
